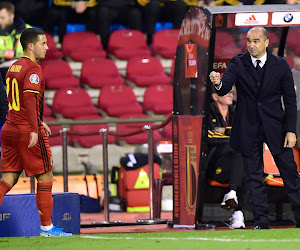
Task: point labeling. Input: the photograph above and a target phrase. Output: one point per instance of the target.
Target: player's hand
(47, 129)
(33, 139)
(290, 140)
(215, 77)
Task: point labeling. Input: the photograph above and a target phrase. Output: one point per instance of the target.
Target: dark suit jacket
(261, 103)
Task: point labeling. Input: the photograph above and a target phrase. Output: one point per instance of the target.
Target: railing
(149, 128)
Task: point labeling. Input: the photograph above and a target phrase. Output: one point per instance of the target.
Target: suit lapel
(249, 66)
(268, 73)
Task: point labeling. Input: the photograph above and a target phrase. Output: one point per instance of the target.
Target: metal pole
(65, 157)
(151, 170)
(105, 168)
(32, 184)
(152, 220)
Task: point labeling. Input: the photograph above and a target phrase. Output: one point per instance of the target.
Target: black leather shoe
(258, 227)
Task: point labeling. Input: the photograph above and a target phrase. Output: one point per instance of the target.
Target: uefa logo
(288, 17)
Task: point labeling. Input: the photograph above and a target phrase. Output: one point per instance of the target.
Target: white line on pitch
(197, 239)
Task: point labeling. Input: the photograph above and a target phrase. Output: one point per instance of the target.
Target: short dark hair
(30, 35)
(8, 6)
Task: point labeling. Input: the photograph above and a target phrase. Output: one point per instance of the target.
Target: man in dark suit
(262, 81)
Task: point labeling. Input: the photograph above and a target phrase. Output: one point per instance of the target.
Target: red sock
(4, 188)
(44, 202)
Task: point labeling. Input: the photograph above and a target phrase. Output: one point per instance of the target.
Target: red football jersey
(24, 76)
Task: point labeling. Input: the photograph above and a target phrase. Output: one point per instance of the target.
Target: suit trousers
(254, 173)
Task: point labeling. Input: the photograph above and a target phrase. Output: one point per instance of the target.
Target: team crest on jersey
(34, 78)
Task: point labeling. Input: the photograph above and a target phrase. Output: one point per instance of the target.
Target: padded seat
(164, 43)
(80, 45)
(88, 141)
(53, 52)
(74, 164)
(58, 74)
(225, 46)
(146, 71)
(127, 43)
(100, 72)
(158, 99)
(118, 100)
(73, 102)
(55, 139)
(130, 127)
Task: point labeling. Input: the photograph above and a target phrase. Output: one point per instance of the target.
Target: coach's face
(40, 47)
(257, 43)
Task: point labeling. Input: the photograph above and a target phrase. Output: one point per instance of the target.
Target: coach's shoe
(230, 200)
(237, 220)
(54, 232)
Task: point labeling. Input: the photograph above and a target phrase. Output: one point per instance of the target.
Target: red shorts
(16, 155)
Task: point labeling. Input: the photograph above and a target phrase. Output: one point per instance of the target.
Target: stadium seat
(99, 72)
(292, 41)
(129, 127)
(53, 52)
(55, 139)
(166, 131)
(73, 102)
(164, 43)
(88, 141)
(47, 112)
(158, 99)
(124, 44)
(95, 157)
(146, 71)
(74, 164)
(225, 46)
(81, 45)
(58, 74)
(118, 100)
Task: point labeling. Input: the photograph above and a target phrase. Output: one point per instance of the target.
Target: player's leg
(9, 179)
(44, 199)
(38, 163)
(11, 164)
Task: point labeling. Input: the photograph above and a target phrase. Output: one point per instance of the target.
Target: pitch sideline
(191, 238)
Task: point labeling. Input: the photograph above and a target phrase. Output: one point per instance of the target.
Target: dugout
(209, 37)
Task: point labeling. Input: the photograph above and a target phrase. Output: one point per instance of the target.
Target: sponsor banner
(251, 19)
(186, 158)
(220, 65)
(287, 18)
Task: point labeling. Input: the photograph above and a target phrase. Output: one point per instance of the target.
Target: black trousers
(154, 12)
(60, 15)
(228, 168)
(128, 16)
(254, 173)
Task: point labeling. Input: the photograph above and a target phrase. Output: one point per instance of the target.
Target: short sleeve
(33, 79)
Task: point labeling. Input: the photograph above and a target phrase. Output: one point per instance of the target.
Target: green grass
(232, 239)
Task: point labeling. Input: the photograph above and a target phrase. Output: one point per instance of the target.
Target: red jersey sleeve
(33, 79)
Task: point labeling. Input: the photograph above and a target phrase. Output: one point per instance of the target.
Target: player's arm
(30, 106)
(31, 89)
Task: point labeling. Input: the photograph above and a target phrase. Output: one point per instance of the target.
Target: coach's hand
(215, 77)
(290, 140)
(33, 139)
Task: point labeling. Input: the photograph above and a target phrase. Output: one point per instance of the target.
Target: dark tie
(259, 70)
